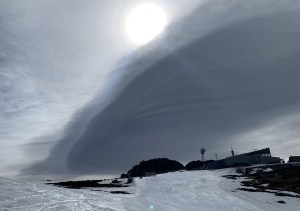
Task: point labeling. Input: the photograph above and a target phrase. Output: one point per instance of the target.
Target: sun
(145, 22)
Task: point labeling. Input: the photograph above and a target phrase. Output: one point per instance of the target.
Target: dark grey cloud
(49, 69)
(209, 93)
(55, 56)
(197, 96)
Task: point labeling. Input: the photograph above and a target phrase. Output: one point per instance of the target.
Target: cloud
(52, 63)
(239, 75)
(56, 57)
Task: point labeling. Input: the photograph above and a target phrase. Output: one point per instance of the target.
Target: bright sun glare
(145, 22)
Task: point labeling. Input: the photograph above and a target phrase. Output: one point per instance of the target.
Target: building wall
(264, 152)
(294, 159)
(215, 165)
(242, 160)
(251, 160)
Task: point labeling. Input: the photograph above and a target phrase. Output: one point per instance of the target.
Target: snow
(290, 193)
(185, 191)
(25, 196)
(268, 170)
(190, 191)
(255, 170)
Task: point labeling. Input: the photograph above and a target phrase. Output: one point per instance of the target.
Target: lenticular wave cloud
(218, 76)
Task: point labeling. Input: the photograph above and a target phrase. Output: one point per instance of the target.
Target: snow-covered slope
(188, 191)
(201, 190)
(29, 197)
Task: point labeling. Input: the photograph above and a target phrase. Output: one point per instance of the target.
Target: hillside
(177, 191)
(155, 166)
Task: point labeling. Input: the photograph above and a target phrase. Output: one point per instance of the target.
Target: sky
(77, 98)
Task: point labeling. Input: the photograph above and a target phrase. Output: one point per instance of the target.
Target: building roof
(265, 151)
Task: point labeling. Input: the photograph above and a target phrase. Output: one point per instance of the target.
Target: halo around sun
(145, 22)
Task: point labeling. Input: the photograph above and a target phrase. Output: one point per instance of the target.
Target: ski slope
(29, 197)
(201, 190)
(179, 191)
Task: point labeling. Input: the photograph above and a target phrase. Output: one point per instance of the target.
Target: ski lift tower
(202, 153)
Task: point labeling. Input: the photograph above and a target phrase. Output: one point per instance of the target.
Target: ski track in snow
(179, 191)
(192, 191)
(27, 196)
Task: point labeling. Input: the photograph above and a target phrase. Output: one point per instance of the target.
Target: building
(262, 156)
(293, 159)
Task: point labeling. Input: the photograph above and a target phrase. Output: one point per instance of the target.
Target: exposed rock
(155, 166)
